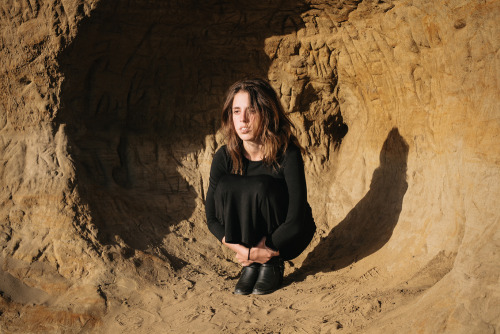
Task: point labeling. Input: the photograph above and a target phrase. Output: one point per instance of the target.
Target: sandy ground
(197, 299)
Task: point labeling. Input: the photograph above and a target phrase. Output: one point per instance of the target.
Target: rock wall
(431, 71)
(109, 117)
(45, 249)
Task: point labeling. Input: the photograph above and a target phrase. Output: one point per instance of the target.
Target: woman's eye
(236, 111)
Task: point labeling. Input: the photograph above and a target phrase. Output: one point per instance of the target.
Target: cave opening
(143, 85)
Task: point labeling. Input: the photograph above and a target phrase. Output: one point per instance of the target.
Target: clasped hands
(260, 253)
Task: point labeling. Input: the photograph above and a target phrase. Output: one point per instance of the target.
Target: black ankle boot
(247, 279)
(270, 277)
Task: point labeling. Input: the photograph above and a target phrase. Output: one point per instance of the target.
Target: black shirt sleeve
(219, 168)
(295, 233)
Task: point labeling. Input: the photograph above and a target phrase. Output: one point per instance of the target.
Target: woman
(256, 203)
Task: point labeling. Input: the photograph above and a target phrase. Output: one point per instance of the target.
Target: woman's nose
(244, 116)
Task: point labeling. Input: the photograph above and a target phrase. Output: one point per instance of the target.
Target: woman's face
(245, 118)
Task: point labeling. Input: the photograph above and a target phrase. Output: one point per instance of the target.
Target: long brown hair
(274, 129)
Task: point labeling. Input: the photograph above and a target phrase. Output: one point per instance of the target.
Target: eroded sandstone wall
(432, 72)
(109, 121)
(45, 250)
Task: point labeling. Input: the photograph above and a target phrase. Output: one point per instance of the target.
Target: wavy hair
(274, 130)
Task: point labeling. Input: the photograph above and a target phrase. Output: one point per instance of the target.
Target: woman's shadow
(370, 224)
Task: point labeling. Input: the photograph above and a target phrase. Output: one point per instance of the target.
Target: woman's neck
(253, 151)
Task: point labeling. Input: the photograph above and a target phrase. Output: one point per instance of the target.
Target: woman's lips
(245, 130)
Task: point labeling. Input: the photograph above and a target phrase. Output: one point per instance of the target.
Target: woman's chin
(246, 137)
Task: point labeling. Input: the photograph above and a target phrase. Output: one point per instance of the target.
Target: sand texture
(109, 117)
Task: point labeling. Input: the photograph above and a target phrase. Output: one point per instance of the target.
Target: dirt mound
(108, 123)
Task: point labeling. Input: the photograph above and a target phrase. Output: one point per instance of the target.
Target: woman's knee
(261, 187)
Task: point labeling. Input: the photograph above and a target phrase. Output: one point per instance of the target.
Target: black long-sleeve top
(294, 234)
